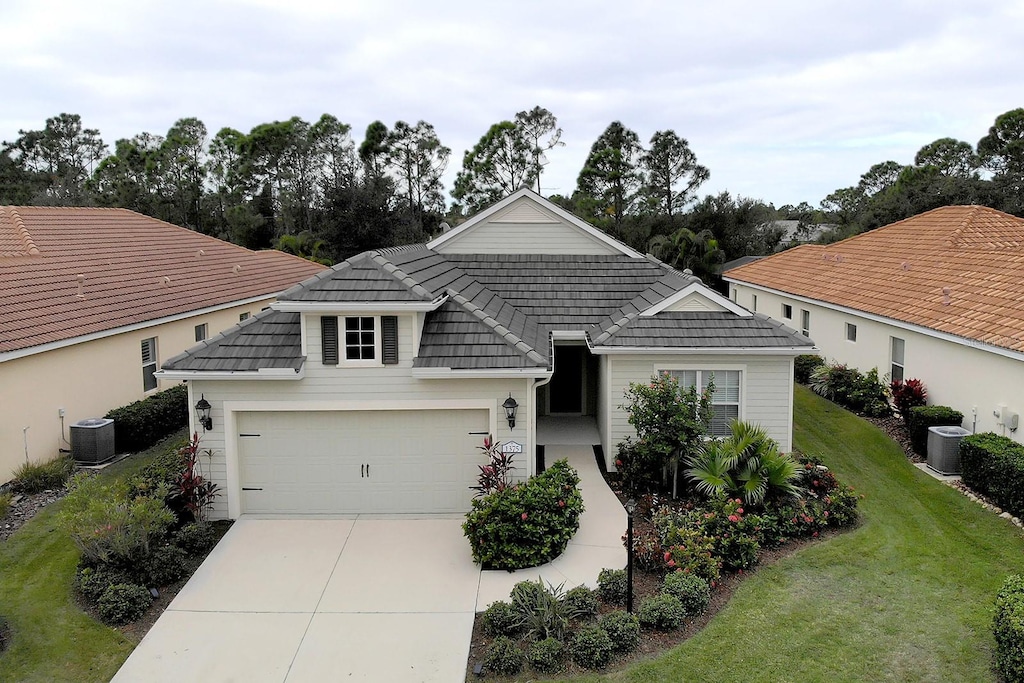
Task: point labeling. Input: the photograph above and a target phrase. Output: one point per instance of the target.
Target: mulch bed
(24, 507)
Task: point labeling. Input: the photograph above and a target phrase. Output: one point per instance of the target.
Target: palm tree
(746, 464)
(686, 249)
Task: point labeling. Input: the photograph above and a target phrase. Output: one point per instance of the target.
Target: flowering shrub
(691, 552)
(906, 395)
(526, 524)
(669, 422)
(734, 535)
(647, 548)
(496, 475)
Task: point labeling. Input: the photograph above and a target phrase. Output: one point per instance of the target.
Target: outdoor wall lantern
(510, 407)
(630, 509)
(203, 409)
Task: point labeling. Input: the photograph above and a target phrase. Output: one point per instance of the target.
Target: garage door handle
(367, 469)
(479, 433)
(362, 471)
(250, 488)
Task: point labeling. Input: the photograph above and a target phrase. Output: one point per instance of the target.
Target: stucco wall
(766, 391)
(962, 376)
(354, 388)
(87, 380)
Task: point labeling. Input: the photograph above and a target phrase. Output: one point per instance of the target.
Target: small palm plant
(747, 464)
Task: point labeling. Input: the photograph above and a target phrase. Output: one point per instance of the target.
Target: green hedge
(923, 417)
(804, 365)
(993, 465)
(139, 425)
(1009, 630)
(527, 524)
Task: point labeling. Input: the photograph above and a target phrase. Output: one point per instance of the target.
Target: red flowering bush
(496, 475)
(526, 524)
(906, 395)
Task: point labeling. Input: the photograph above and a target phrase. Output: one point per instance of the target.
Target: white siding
(957, 375)
(525, 228)
(357, 388)
(695, 302)
(765, 391)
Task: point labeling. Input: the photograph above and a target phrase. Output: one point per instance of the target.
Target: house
(369, 387)
(93, 300)
(938, 297)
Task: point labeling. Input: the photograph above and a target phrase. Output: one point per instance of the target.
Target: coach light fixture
(510, 407)
(203, 409)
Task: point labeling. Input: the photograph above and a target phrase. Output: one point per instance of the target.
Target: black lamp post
(630, 509)
(203, 408)
(510, 407)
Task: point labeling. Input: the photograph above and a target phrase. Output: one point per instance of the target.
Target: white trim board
(363, 307)
(700, 290)
(874, 317)
(156, 322)
(711, 350)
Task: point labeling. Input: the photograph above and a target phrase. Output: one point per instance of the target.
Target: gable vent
(389, 339)
(329, 339)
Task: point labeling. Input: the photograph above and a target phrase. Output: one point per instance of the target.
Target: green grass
(52, 638)
(906, 596)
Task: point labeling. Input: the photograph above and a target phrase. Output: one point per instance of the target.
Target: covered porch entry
(567, 406)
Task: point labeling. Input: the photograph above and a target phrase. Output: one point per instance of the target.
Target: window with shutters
(148, 364)
(389, 340)
(725, 402)
(329, 339)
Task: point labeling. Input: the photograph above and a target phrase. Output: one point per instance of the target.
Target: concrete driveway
(315, 600)
(363, 599)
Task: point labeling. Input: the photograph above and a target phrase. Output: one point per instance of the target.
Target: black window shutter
(389, 339)
(329, 339)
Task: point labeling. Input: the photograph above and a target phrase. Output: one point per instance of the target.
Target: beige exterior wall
(354, 387)
(766, 391)
(964, 377)
(86, 380)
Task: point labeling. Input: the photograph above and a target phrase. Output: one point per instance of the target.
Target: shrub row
(993, 465)
(139, 425)
(1009, 630)
(849, 387)
(923, 417)
(527, 524)
(804, 365)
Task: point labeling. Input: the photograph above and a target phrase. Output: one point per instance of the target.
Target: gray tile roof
(500, 311)
(704, 329)
(269, 339)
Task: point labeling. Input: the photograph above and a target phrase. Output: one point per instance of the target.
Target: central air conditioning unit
(92, 441)
(944, 449)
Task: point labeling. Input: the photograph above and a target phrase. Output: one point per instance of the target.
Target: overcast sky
(784, 101)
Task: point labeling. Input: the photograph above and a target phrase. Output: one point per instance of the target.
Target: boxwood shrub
(994, 466)
(123, 602)
(503, 656)
(622, 628)
(545, 655)
(139, 425)
(527, 524)
(923, 417)
(592, 648)
(1009, 630)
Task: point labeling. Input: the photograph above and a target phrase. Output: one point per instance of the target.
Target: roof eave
(706, 350)
(344, 306)
(495, 373)
(261, 374)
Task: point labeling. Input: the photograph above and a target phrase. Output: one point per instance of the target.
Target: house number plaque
(511, 447)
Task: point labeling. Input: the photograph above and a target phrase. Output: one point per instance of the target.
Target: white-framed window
(787, 311)
(805, 322)
(243, 316)
(360, 338)
(851, 332)
(898, 350)
(201, 331)
(725, 401)
(149, 362)
(754, 300)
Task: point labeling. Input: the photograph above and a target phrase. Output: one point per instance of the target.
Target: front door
(565, 391)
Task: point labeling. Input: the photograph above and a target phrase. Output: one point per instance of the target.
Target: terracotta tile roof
(956, 269)
(68, 272)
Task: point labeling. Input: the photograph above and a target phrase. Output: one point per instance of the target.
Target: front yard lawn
(52, 639)
(907, 596)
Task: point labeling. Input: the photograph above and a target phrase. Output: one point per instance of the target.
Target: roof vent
(237, 269)
(905, 265)
(167, 281)
(687, 271)
(946, 299)
(201, 252)
(444, 227)
(81, 284)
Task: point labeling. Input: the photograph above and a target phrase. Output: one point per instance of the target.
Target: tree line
(945, 172)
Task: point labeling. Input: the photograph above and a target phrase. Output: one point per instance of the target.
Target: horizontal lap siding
(765, 390)
(526, 238)
(341, 383)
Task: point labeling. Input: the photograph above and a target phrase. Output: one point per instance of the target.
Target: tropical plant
(699, 252)
(496, 475)
(193, 491)
(747, 464)
(545, 611)
(906, 395)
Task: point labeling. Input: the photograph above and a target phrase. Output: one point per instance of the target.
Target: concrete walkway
(361, 599)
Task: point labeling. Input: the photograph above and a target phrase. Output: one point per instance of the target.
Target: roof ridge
(506, 334)
(400, 275)
(20, 231)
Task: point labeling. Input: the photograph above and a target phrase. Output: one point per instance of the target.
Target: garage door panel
(313, 462)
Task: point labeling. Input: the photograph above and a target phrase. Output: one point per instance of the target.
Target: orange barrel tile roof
(68, 272)
(956, 269)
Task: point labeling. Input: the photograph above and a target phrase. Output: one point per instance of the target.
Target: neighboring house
(92, 300)
(798, 232)
(369, 387)
(938, 297)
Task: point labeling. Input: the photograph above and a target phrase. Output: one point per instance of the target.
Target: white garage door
(359, 461)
